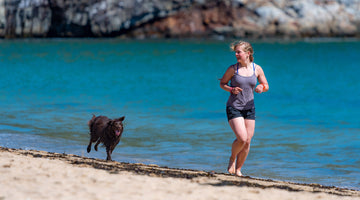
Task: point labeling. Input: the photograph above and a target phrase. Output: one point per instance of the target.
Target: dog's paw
(89, 149)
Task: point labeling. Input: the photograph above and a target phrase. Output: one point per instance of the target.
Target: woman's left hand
(259, 89)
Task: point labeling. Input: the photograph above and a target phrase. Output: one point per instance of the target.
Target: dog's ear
(121, 118)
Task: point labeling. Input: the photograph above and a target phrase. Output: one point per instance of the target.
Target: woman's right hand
(236, 90)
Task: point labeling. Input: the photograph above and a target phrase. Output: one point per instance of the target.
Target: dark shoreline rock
(179, 18)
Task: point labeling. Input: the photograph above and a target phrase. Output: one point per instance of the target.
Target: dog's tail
(90, 122)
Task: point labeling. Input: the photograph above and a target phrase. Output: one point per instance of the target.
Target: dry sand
(36, 175)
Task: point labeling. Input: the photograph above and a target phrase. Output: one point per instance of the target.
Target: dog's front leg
(108, 152)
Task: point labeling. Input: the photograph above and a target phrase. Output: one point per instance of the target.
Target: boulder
(179, 18)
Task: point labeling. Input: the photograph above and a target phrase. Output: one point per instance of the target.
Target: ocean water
(307, 126)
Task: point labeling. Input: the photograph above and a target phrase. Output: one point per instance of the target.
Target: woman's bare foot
(238, 173)
(231, 166)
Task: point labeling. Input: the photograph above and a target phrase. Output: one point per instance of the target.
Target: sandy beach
(30, 174)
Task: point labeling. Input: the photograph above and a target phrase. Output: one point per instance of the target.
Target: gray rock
(179, 18)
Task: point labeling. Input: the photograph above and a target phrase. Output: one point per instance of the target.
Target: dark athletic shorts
(234, 113)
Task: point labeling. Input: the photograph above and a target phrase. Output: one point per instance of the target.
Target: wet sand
(31, 174)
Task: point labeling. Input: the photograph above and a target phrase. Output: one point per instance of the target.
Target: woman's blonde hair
(246, 47)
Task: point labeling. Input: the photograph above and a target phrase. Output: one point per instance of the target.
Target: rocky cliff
(179, 18)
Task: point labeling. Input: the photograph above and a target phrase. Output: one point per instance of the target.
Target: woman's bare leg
(232, 161)
(238, 126)
(242, 155)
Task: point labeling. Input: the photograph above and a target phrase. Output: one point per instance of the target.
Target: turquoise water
(307, 127)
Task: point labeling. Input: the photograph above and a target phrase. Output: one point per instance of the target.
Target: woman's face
(240, 54)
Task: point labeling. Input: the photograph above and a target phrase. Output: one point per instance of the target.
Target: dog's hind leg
(89, 147)
(97, 144)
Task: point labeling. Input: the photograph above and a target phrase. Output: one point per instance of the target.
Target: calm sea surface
(307, 128)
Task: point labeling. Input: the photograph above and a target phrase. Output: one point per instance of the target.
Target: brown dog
(106, 131)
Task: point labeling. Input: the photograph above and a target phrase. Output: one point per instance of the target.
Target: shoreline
(45, 167)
